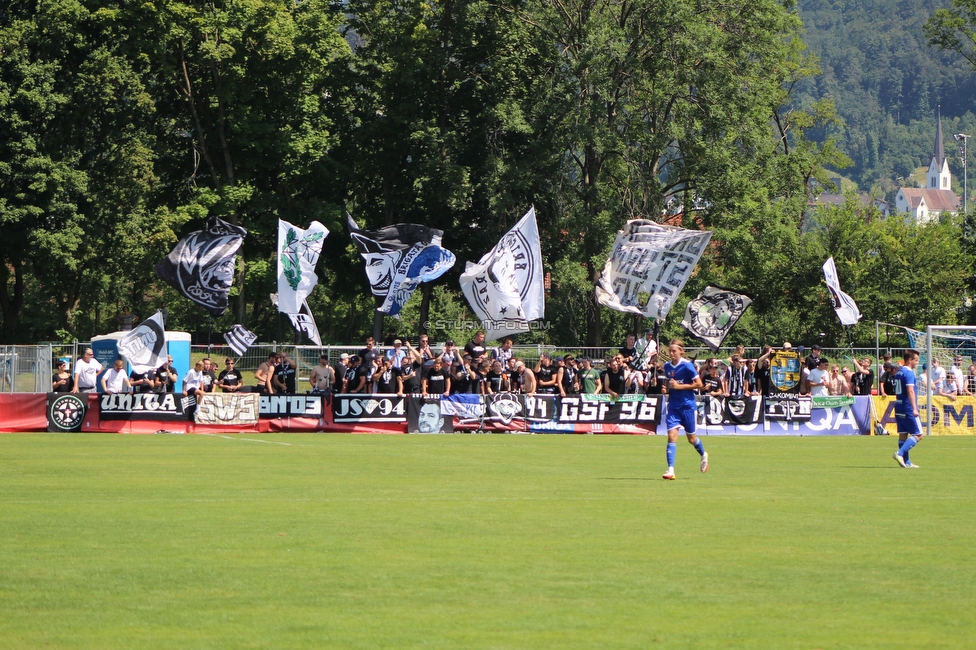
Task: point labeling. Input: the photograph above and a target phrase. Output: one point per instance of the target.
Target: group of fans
(403, 369)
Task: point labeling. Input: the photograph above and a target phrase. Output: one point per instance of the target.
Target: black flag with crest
(201, 266)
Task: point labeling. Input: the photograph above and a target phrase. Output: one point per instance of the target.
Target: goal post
(945, 342)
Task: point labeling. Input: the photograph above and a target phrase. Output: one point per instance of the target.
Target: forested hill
(886, 82)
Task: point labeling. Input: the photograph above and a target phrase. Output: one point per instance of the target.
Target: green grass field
(477, 541)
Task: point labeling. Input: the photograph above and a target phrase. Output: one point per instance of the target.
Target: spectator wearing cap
(340, 369)
(397, 354)
(545, 375)
(566, 376)
(589, 377)
(887, 384)
(450, 354)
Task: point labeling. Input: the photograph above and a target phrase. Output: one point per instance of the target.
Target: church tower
(939, 176)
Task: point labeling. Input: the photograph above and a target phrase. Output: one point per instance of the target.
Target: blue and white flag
(844, 305)
(505, 286)
(298, 253)
(400, 257)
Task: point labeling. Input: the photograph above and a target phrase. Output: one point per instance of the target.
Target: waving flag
(240, 339)
(506, 284)
(400, 257)
(302, 320)
(144, 348)
(201, 266)
(649, 266)
(711, 316)
(844, 305)
(298, 252)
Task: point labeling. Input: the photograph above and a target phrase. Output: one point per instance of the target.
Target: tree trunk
(594, 319)
(426, 289)
(10, 305)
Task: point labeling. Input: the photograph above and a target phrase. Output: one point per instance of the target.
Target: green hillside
(887, 82)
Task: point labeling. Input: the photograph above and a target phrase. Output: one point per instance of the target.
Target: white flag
(844, 305)
(506, 284)
(144, 348)
(649, 266)
(298, 252)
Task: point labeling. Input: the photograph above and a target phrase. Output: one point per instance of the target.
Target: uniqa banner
(143, 406)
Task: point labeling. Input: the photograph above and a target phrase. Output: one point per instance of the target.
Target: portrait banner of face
(201, 266)
(398, 258)
(425, 416)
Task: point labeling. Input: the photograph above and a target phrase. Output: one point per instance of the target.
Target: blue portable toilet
(178, 346)
(106, 349)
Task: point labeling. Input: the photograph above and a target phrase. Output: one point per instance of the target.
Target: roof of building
(935, 200)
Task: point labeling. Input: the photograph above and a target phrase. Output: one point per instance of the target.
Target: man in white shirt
(86, 372)
(646, 351)
(116, 380)
(956, 371)
(938, 375)
(193, 382)
(818, 378)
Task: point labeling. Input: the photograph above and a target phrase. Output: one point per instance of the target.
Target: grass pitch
(468, 541)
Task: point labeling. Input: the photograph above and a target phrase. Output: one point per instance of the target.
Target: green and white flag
(298, 252)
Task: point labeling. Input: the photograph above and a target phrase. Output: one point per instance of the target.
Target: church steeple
(939, 176)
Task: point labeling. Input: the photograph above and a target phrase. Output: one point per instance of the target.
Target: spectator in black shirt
(496, 380)
(437, 381)
(230, 378)
(629, 351)
(476, 347)
(613, 378)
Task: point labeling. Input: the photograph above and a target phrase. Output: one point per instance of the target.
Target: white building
(928, 203)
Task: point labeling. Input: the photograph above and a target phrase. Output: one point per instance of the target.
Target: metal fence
(25, 368)
(29, 368)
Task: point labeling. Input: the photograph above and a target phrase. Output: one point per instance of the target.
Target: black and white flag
(240, 339)
(649, 266)
(144, 348)
(201, 266)
(398, 258)
(844, 305)
(506, 286)
(302, 321)
(711, 316)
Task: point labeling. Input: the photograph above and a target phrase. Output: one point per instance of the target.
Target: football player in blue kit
(683, 379)
(906, 409)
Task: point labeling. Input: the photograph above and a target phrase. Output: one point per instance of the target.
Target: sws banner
(228, 409)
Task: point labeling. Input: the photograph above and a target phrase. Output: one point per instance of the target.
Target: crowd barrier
(502, 413)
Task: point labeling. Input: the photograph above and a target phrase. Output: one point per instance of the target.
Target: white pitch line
(267, 442)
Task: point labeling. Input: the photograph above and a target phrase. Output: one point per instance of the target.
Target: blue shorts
(908, 424)
(683, 417)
